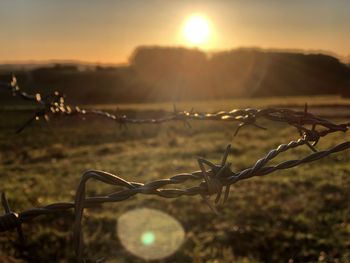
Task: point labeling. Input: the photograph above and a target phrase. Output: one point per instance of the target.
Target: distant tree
(175, 74)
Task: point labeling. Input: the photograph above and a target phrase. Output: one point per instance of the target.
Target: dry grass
(298, 214)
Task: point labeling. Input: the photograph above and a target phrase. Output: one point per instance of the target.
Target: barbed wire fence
(215, 180)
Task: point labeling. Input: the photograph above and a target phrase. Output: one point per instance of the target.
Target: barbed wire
(213, 180)
(54, 105)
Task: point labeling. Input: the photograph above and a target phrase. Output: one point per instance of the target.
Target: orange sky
(108, 31)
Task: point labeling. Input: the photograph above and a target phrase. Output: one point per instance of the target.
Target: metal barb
(14, 217)
(5, 203)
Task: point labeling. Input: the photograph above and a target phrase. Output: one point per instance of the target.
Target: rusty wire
(211, 181)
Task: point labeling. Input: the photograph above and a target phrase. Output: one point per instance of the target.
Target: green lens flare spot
(150, 234)
(148, 238)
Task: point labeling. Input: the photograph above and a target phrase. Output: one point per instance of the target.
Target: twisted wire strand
(221, 175)
(54, 105)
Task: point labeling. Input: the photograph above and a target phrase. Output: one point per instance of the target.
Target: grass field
(301, 214)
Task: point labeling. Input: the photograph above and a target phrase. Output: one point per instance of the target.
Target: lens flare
(150, 234)
(148, 238)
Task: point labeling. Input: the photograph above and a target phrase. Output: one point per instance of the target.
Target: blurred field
(229, 104)
(210, 105)
(301, 214)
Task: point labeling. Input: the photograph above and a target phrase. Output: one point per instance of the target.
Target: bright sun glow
(197, 30)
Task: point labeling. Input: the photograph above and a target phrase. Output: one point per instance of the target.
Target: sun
(196, 30)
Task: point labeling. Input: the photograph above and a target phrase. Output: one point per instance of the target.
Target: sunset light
(197, 30)
(117, 120)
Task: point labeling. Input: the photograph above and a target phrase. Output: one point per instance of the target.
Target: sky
(107, 31)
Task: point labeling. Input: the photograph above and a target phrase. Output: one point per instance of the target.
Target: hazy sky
(108, 31)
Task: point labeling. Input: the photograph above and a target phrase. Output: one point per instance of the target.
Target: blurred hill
(177, 74)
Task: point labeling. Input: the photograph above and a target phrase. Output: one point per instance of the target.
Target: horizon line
(342, 58)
